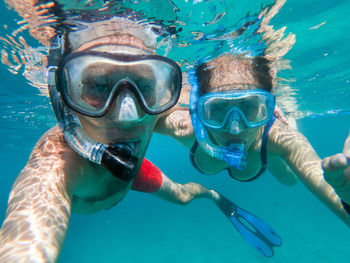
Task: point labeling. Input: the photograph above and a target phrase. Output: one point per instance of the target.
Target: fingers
(335, 162)
(279, 114)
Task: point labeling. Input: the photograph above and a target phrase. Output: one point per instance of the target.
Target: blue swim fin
(254, 230)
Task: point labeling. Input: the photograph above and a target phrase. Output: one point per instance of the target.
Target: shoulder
(53, 134)
(51, 144)
(177, 124)
(53, 158)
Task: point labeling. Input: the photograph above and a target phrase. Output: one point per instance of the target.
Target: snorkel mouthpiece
(235, 156)
(119, 159)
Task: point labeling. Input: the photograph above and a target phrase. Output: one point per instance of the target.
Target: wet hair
(70, 21)
(215, 73)
(262, 72)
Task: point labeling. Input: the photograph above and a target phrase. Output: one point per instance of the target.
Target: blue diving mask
(235, 111)
(232, 112)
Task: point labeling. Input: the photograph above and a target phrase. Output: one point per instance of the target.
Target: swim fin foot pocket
(253, 229)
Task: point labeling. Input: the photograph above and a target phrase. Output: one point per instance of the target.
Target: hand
(337, 171)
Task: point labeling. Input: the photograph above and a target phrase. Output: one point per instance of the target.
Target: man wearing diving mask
(108, 89)
(116, 92)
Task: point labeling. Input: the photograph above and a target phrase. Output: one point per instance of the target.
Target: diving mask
(236, 110)
(225, 110)
(89, 81)
(118, 158)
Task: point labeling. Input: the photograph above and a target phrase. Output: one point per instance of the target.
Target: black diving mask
(89, 81)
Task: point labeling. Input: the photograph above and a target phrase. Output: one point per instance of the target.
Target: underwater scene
(307, 45)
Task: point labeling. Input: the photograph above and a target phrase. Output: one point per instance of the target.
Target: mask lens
(157, 83)
(255, 108)
(89, 81)
(86, 84)
(215, 111)
(249, 105)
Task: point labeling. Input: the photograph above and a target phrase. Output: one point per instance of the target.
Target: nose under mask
(234, 123)
(128, 110)
(235, 127)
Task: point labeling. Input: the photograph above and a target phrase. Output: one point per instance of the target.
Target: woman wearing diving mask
(233, 116)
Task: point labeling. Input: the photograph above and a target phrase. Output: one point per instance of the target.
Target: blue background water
(143, 228)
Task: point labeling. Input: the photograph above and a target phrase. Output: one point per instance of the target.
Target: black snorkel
(118, 158)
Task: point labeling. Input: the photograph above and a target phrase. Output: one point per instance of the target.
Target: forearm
(150, 179)
(183, 194)
(307, 165)
(301, 157)
(39, 204)
(318, 185)
(37, 217)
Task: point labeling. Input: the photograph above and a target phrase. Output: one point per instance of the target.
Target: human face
(117, 96)
(109, 130)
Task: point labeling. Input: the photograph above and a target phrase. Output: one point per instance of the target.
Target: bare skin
(337, 171)
(35, 227)
(57, 181)
(290, 155)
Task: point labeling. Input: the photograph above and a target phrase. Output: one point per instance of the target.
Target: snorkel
(118, 158)
(78, 31)
(234, 154)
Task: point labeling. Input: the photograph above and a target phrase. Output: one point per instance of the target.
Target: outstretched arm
(39, 205)
(184, 193)
(304, 161)
(150, 179)
(258, 234)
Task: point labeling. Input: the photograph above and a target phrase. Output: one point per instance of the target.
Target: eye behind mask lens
(89, 82)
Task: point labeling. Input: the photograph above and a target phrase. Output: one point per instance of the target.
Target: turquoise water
(143, 228)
